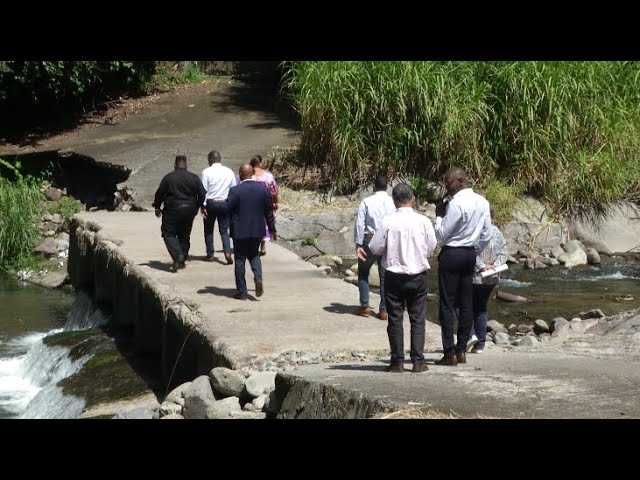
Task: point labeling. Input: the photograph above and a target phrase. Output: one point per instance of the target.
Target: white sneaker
(472, 341)
(477, 350)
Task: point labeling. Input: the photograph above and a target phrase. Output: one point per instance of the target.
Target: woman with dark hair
(493, 255)
(262, 175)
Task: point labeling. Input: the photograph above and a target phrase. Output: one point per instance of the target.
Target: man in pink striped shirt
(404, 241)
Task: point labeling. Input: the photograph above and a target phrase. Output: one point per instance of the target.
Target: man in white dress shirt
(464, 226)
(370, 214)
(405, 240)
(217, 180)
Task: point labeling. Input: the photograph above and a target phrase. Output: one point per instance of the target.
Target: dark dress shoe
(461, 357)
(420, 366)
(208, 258)
(259, 289)
(229, 258)
(240, 296)
(175, 267)
(449, 360)
(395, 368)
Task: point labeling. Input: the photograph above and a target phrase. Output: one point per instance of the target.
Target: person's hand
(203, 212)
(441, 209)
(274, 236)
(361, 253)
(158, 212)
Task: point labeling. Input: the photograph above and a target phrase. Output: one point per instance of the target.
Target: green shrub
(20, 203)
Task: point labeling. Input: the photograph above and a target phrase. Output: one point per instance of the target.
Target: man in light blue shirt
(368, 220)
(464, 226)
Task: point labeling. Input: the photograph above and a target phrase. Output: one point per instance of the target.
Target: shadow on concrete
(342, 308)
(224, 292)
(165, 267)
(258, 88)
(361, 368)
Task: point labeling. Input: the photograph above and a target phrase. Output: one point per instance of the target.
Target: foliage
(19, 214)
(50, 88)
(548, 127)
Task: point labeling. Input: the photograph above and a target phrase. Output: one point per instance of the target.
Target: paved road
(226, 117)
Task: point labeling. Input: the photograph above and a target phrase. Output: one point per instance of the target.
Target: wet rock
(551, 262)
(593, 257)
(573, 259)
(556, 251)
(573, 246)
(594, 313)
(540, 327)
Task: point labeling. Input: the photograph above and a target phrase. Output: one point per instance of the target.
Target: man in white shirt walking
(405, 240)
(464, 226)
(217, 180)
(370, 214)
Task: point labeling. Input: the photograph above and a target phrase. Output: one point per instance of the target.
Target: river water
(29, 369)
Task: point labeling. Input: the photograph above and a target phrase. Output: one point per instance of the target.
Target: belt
(465, 248)
(368, 235)
(215, 200)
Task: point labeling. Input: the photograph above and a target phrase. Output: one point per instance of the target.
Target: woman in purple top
(262, 175)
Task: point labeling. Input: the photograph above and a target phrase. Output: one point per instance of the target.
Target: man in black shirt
(182, 194)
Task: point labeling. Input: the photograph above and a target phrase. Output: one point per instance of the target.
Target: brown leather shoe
(420, 366)
(229, 258)
(259, 289)
(363, 311)
(449, 360)
(461, 357)
(383, 315)
(395, 368)
(208, 258)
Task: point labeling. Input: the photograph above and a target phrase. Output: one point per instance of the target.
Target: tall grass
(20, 204)
(566, 132)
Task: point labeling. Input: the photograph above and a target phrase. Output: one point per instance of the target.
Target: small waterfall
(50, 402)
(29, 377)
(84, 314)
(44, 365)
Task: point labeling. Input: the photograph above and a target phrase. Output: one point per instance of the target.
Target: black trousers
(455, 272)
(176, 230)
(410, 291)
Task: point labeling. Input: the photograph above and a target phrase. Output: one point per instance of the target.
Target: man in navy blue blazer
(249, 205)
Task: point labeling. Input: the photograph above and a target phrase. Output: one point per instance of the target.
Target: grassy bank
(565, 132)
(20, 210)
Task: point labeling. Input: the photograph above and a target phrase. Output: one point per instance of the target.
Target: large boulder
(618, 232)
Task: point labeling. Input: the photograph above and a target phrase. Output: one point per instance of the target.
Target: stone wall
(161, 324)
